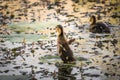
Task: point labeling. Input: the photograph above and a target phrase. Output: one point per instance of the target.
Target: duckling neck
(61, 38)
(93, 22)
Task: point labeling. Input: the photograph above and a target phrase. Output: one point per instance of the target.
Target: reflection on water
(64, 73)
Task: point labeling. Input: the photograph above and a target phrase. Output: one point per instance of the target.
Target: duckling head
(92, 19)
(59, 30)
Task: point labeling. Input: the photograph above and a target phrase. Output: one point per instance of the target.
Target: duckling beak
(56, 29)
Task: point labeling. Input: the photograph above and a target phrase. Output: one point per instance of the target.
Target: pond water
(97, 58)
(29, 52)
(14, 37)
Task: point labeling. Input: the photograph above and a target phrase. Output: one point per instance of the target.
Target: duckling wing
(70, 41)
(103, 26)
(64, 47)
(66, 53)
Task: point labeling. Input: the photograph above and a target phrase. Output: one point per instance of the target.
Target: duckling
(64, 50)
(98, 27)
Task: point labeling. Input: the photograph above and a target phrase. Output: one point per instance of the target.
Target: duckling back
(99, 27)
(64, 50)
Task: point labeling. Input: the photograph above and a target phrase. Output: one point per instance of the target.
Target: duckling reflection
(64, 73)
(98, 27)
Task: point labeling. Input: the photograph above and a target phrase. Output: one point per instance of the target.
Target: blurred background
(28, 41)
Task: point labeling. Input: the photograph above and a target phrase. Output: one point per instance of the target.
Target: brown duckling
(64, 50)
(98, 27)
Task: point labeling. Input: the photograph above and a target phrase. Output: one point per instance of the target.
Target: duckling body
(98, 27)
(64, 50)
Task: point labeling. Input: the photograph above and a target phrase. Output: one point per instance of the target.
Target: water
(20, 37)
(30, 50)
